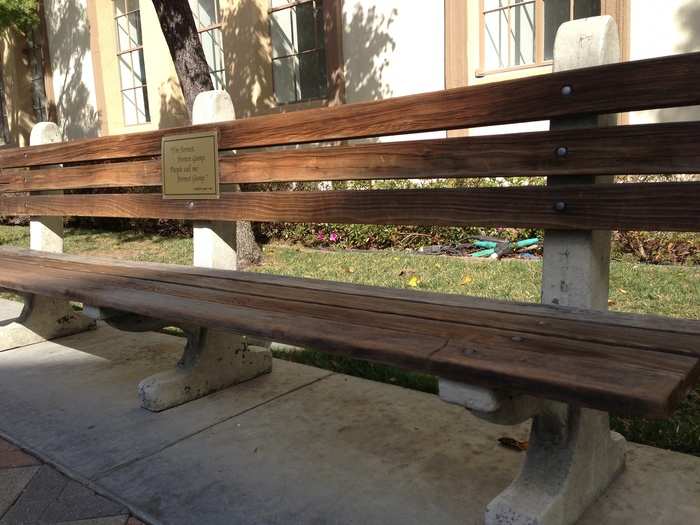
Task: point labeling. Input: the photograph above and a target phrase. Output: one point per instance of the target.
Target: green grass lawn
(663, 290)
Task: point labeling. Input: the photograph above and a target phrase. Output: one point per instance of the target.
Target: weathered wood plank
(651, 207)
(646, 84)
(610, 377)
(654, 333)
(646, 149)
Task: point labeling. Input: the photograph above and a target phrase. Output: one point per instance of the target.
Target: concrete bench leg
(213, 360)
(572, 455)
(42, 319)
(571, 459)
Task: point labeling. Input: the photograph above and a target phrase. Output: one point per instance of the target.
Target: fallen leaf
(466, 280)
(414, 281)
(513, 444)
(621, 290)
(611, 302)
(350, 269)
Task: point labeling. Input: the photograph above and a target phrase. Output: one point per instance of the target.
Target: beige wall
(659, 28)
(393, 48)
(73, 82)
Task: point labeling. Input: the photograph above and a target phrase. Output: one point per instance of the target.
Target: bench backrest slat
(638, 150)
(661, 206)
(646, 84)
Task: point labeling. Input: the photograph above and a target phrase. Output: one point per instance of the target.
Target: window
(131, 65)
(520, 33)
(36, 64)
(207, 16)
(297, 32)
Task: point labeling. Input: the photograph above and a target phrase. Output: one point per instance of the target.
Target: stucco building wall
(664, 28)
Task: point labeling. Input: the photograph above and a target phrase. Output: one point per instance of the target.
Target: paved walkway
(32, 492)
(298, 446)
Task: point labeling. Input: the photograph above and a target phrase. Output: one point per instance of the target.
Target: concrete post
(43, 318)
(214, 241)
(46, 233)
(213, 359)
(573, 456)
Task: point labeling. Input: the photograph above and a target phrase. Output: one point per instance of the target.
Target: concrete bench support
(43, 318)
(572, 455)
(213, 359)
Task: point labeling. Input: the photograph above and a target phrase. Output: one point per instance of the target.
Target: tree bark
(4, 125)
(180, 31)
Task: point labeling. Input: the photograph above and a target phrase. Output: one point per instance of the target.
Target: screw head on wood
(560, 206)
(562, 151)
(567, 90)
(190, 204)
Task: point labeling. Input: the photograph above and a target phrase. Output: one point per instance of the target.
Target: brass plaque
(190, 166)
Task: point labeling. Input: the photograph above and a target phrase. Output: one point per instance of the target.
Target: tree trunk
(4, 124)
(180, 31)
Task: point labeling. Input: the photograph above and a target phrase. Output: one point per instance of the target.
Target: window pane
(146, 107)
(138, 68)
(134, 29)
(130, 111)
(217, 77)
(586, 8)
(141, 105)
(208, 45)
(306, 27)
(125, 71)
(208, 12)
(132, 5)
(556, 12)
(313, 75)
(219, 50)
(496, 40)
(523, 34)
(494, 4)
(281, 33)
(122, 33)
(119, 7)
(286, 73)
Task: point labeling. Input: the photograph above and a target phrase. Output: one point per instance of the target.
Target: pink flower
(333, 237)
(320, 236)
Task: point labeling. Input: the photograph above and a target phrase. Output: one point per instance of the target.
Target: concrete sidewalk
(298, 446)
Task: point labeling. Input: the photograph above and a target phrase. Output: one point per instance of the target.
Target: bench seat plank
(639, 331)
(607, 361)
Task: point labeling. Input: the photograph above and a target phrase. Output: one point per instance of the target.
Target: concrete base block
(213, 360)
(572, 458)
(494, 406)
(42, 319)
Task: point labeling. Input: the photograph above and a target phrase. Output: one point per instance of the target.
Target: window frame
(331, 11)
(540, 61)
(135, 49)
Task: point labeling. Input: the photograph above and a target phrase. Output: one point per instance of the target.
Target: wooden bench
(565, 363)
